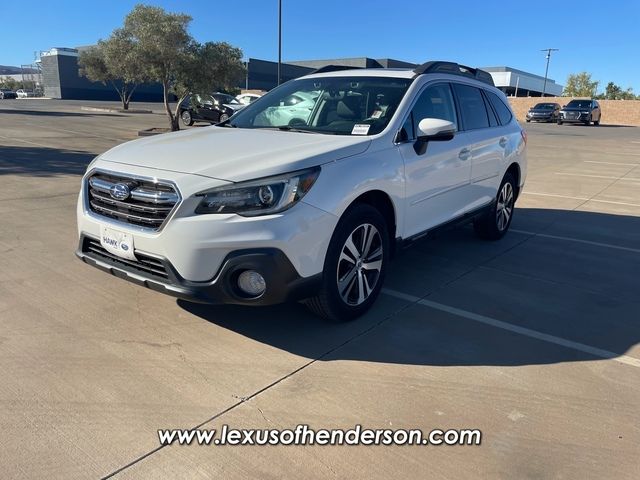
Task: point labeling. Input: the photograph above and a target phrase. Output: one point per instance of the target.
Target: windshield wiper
(286, 128)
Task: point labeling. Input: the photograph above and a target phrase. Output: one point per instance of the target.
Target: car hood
(576, 109)
(235, 154)
(540, 110)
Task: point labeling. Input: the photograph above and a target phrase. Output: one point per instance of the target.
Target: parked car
(228, 100)
(581, 111)
(291, 110)
(207, 108)
(544, 112)
(247, 98)
(257, 213)
(6, 94)
(21, 93)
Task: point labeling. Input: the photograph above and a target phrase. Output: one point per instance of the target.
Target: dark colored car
(544, 112)
(6, 94)
(211, 108)
(581, 111)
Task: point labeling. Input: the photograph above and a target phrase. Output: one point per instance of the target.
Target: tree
(580, 85)
(115, 61)
(170, 56)
(614, 92)
(8, 83)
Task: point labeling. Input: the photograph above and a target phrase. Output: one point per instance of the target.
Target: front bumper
(540, 118)
(581, 118)
(156, 273)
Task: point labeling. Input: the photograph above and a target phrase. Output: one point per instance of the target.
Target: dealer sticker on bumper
(118, 243)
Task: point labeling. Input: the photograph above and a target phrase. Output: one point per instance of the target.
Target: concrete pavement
(94, 366)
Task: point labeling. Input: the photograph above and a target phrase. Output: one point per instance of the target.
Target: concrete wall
(614, 112)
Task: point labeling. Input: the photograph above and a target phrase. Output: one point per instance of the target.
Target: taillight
(524, 136)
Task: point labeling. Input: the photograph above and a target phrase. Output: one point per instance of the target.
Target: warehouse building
(61, 78)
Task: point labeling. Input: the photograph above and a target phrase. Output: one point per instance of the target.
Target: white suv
(251, 213)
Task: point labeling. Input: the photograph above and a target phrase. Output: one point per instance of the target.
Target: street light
(548, 50)
(279, 40)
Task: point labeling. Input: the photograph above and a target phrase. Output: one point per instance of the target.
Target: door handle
(503, 142)
(464, 154)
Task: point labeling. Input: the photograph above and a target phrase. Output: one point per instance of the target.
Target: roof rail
(453, 68)
(333, 68)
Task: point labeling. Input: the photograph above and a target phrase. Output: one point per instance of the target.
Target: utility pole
(279, 41)
(548, 50)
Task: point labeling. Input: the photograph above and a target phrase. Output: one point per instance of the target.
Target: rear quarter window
(504, 113)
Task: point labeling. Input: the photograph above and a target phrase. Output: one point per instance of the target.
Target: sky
(602, 38)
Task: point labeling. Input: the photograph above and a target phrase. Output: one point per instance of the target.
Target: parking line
(554, 195)
(588, 176)
(578, 240)
(612, 163)
(545, 337)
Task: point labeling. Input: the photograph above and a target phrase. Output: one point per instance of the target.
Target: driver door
(437, 182)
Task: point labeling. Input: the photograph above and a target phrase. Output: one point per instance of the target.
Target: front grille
(148, 203)
(146, 265)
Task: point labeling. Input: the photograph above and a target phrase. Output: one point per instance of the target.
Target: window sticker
(360, 129)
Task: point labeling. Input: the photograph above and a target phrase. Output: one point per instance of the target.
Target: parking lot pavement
(532, 339)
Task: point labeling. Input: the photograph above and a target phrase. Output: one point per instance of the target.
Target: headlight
(259, 197)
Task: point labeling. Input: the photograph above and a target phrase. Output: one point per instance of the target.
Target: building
(61, 79)
(517, 83)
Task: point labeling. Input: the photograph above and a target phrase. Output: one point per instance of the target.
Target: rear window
(472, 108)
(504, 114)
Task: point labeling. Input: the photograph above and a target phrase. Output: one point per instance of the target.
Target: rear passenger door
(485, 140)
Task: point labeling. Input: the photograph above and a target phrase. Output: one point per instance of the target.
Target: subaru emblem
(120, 191)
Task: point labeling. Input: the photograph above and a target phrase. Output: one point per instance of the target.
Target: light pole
(279, 40)
(548, 50)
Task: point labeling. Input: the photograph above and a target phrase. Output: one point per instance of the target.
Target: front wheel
(494, 224)
(223, 118)
(354, 267)
(187, 119)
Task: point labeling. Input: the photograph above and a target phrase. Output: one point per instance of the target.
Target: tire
(223, 118)
(494, 224)
(597, 124)
(187, 119)
(345, 265)
(527, 120)
(559, 122)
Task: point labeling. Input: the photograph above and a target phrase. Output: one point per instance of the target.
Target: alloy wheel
(360, 264)
(504, 208)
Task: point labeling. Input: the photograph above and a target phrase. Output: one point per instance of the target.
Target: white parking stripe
(545, 337)
(611, 177)
(554, 195)
(612, 163)
(581, 198)
(577, 240)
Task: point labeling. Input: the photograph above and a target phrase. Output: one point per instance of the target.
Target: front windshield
(225, 99)
(579, 104)
(544, 106)
(329, 105)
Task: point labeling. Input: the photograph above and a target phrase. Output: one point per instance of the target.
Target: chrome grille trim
(150, 204)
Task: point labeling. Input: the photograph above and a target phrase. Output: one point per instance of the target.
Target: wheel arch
(514, 169)
(382, 202)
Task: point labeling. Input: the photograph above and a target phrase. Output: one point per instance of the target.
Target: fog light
(252, 283)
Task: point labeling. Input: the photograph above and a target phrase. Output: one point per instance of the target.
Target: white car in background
(247, 98)
(262, 209)
(21, 93)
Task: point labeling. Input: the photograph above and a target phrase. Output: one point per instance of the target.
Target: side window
(493, 121)
(474, 113)
(435, 102)
(504, 114)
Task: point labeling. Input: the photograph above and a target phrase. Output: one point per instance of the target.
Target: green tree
(8, 83)
(170, 56)
(614, 92)
(580, 85)
(115, 61)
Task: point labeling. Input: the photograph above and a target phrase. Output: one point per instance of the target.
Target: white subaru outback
(254, 211)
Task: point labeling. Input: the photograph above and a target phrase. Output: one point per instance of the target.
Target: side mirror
(432, 129)
(435, 129)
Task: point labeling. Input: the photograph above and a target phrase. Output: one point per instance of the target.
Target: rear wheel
(494, 224)
(224, 117)
(559, 122)
(354, 267)
(187, 119)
